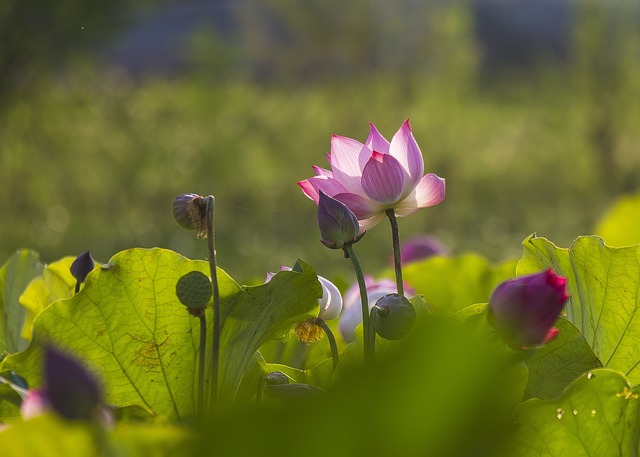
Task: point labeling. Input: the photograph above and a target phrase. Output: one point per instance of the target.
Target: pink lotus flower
(373, 177)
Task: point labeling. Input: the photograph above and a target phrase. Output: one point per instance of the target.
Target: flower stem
(397, 260)
(217, 321)
(369, 342)
(203, 348)
(332, 340)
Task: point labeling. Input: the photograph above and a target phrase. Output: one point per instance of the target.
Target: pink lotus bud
(421, 247)
(338, 225)
(523, 310)
(35, 403)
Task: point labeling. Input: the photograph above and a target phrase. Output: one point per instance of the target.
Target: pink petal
(362, 207)
(430, 191)
(348, 159)
(328, 185)
(376, 142)
(367, 224)
(383, 179)
(321, 171)
(405, 149)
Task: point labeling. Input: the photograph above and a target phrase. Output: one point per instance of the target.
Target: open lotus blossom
(378, 175)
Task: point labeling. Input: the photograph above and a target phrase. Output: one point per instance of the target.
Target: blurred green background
(108, 111)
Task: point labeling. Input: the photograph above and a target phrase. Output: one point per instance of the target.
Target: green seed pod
(194, 290)
(393, 316)
(276, 378)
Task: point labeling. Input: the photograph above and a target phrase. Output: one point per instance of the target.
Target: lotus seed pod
(394, 316)
(189, 211)
(194, 290)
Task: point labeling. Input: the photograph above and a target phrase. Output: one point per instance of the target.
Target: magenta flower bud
(71, 390)
(421, 247)
(523, 310)
(338, 225)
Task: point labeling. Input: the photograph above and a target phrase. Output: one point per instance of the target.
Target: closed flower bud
(190, 212)
(351, 315)
(523, 310)
(71, 390)
(338, 225)
(420, 248)
(82, 266)
(393, 316)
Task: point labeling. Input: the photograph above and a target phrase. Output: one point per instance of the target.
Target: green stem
(217, 321)
(397, 260)
(203, 348)
(369, 343)
(261, 383)
(332, 341)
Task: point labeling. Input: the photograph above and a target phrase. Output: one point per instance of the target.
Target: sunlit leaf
(620, 226)
(15, 275)
(129, 327)
(558, 363)
(261, 313)
(604, 284)
(50, 436)
(55, 283)
(596, 416)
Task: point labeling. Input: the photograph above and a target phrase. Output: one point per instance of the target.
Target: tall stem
(203, 348)
(332, 341)
(397, 260)
(369, 342)
(217, 319)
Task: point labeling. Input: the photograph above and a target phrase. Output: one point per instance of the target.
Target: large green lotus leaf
(558, 363)
(49, 436)
(261, 313)
(129, 326)
(10, 402)
(449, 284)
(604, 285)
(620, 226)
(55, 283)
(596, 416)
(15, 275)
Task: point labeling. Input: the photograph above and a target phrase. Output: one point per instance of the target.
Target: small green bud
(276, 378)
(194, 291)
(393, 316)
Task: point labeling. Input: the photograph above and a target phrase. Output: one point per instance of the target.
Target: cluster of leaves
(574, 396)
